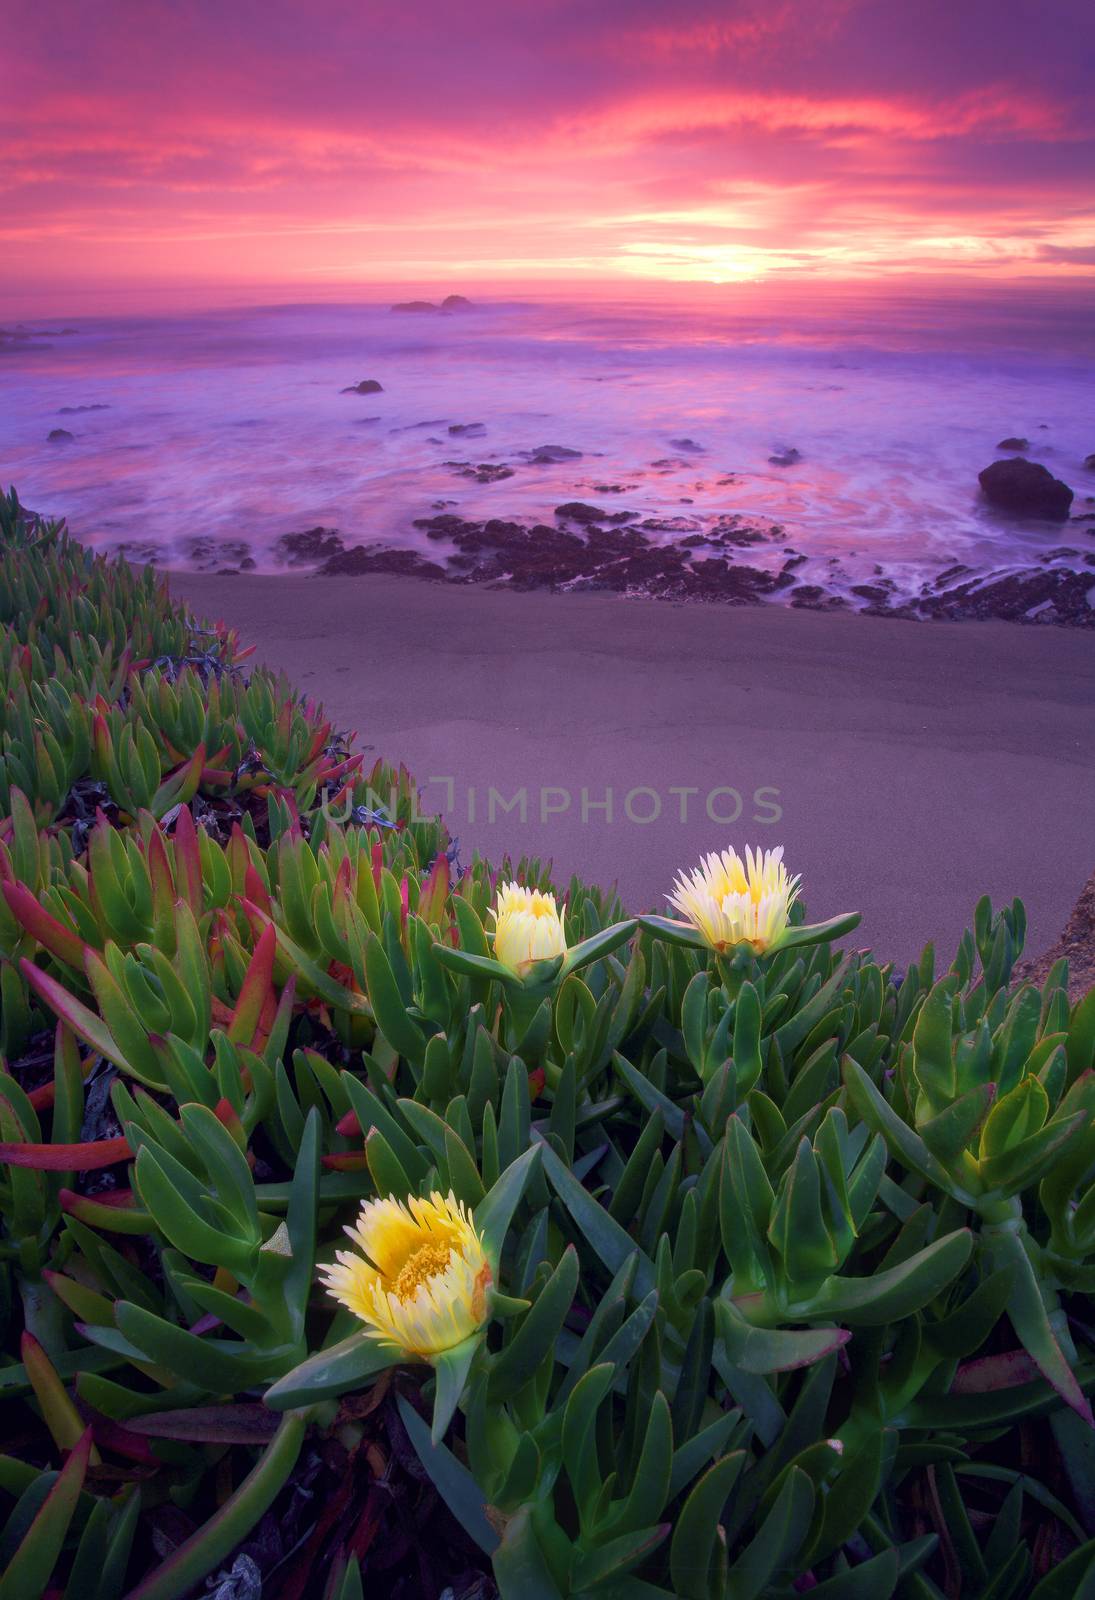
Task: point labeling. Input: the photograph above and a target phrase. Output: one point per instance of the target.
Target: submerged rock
(547, 454)
(468, 430)
(1014, 444)
(1089, 462)
(309, 546)
(483, 472)
(687, 444)
(366, 386)
(59, 436)
(415, 305)
(1025, 488)
(785, 458)
(72, 411)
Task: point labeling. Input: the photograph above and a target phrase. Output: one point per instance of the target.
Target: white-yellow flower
(527, 928)
(422, 1280)
(733, 902)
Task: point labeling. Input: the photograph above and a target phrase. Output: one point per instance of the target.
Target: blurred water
(223, 430)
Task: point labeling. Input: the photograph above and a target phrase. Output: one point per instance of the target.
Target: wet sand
(913, 766)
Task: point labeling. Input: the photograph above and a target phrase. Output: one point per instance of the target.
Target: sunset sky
(254, 142)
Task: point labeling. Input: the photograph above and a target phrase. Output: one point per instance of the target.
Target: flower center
(425, 1263)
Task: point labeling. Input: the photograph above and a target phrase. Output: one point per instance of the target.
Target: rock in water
(59, 436)
(1026, 488)
(1089, 462)
(456, 302)
(415, 305)
(786, 458)
(366, 386)
(1014, 444)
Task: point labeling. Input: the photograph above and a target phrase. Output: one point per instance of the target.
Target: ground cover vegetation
(699, 1255)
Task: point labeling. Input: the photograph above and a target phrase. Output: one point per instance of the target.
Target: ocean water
(210, 434)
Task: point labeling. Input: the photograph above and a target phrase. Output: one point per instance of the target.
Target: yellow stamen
(419, 1268)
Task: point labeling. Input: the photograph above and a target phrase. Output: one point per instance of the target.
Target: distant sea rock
(1089, 462)
(689, 445)
(1025, 488)
(1014, 444)
(451, 302)
(366, 386)
(467, 430)
(785, 458)
(546, 454)
(72, 411)
(59, 436)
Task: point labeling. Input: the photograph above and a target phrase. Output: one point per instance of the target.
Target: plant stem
(198, 1556)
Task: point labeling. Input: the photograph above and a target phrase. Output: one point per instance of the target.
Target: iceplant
(419, 1277)
(531, 954)
(732, 902)
(422, 1281)
(527, 928)
(735, 906)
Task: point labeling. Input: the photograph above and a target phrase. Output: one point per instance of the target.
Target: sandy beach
(906, 767)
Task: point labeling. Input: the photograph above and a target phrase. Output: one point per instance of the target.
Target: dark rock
(415, 305)
(310, 546)
(812, 597)
(1089, 463)
(248, 564)
(1025, 488)
(1038, 595)
(59, 436)
(373, 558)
(547, 454)
(211, 555)
(484, 472)
(785, 458)
(468, 430)
(687, 444)
(456, 302)
(366, 386)
(578, 511)
(1014, 444)
(72, 411)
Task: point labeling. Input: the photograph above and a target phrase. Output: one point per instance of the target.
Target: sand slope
(915, 764)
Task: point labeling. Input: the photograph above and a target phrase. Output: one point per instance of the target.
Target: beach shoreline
(905, 770)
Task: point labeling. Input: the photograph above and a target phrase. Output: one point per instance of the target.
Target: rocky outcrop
(415, 305)
(456, 302)
(785, 458)
(59, 436)
(366, 386)
(1014, 444)
(1026, 489)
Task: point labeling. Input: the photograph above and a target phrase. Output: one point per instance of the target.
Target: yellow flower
(527, 928)
(735, 902)
(422, 1280)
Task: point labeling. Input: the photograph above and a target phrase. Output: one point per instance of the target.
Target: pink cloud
(283, 140)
